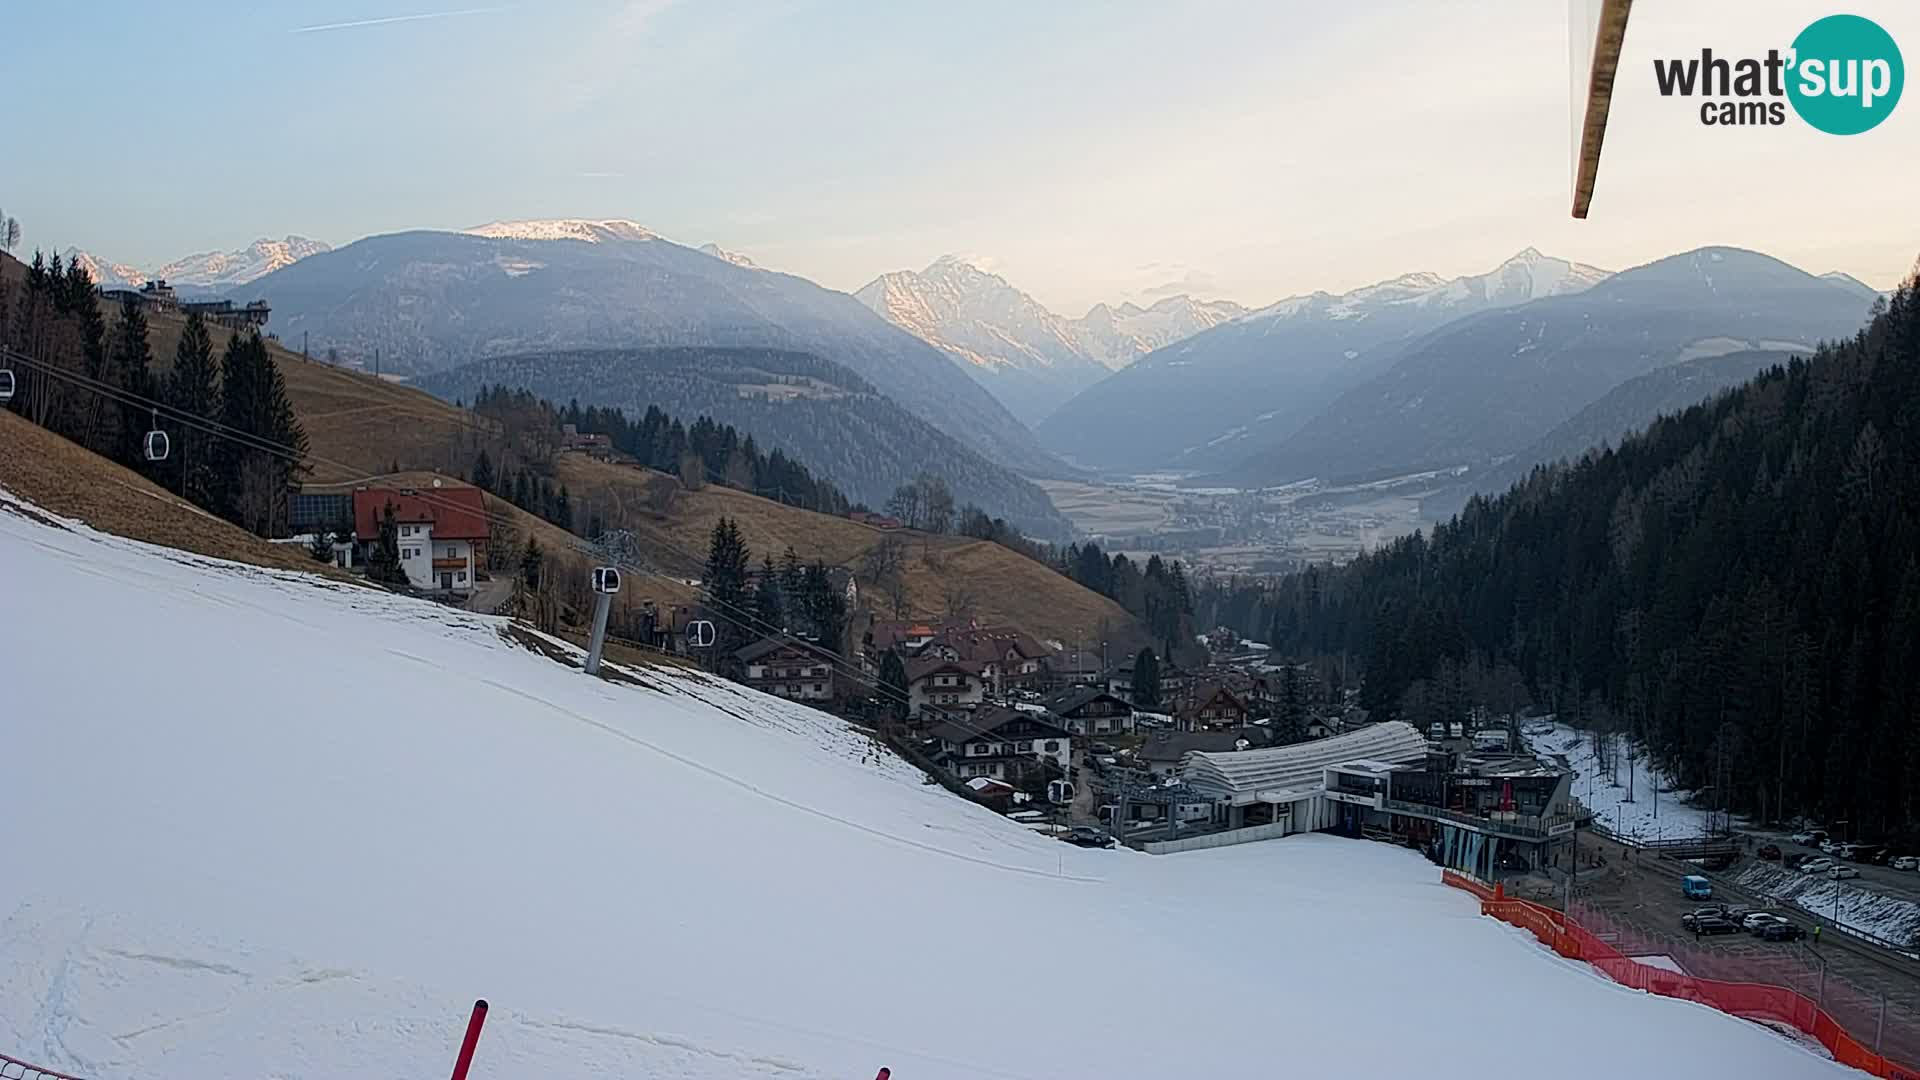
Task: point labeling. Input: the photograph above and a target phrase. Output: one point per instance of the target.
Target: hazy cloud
(1197, 283)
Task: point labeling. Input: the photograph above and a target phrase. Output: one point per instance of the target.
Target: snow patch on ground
(1669, 816)
(300, 826)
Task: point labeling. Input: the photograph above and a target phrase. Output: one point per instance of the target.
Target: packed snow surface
(262, 825)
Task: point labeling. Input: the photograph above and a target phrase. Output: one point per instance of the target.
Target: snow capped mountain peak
(724, 255)
(207, 269)
(1526, 276)
(591, 230)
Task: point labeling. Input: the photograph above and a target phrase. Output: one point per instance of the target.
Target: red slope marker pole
(465, 1060)
(884, 1073)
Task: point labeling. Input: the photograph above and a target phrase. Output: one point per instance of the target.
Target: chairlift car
(157, 443)
(700, 634)
(606, 579)
(6, 385)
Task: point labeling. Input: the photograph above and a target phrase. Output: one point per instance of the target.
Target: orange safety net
(1751, 1000)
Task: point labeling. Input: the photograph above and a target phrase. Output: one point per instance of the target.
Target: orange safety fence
(1751, 1000)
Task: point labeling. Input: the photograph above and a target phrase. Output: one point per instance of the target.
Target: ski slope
(263, 825)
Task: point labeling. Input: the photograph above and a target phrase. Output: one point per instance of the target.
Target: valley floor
(263, 824)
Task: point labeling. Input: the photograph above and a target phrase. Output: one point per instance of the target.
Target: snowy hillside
(1119, 336)
(264, 825)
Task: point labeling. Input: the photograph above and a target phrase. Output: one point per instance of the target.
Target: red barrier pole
(465, 1060)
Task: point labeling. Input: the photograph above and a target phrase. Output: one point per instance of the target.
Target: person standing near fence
(1816, 935)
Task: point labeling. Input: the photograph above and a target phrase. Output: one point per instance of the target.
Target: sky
(1087, 150)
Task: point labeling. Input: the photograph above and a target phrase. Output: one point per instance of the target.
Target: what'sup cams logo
(1842, 75)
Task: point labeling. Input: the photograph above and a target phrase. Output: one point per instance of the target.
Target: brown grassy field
(61, 477)
(1000, 586)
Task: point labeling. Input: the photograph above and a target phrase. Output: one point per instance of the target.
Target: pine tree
(563, 509)
(383, 562)
(482, 475)
(826, 608)
(893, 684)
(132, 373)
(725, 584)
(768, 604)
(193, 387)
(1290, 725)
(1146, 679)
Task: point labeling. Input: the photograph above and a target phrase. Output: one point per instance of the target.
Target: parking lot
(1639, 899)
(1904, 884)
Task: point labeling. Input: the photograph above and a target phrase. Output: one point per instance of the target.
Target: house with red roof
(442, 532)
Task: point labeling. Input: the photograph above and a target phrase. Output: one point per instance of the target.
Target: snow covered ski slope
(260, 825)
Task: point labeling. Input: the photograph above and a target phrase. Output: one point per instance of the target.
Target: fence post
(1880, 1028)
(1822, 999)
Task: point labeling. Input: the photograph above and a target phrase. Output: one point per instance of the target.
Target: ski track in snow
(285, 827)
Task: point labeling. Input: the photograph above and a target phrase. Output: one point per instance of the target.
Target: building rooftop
(1242, 775)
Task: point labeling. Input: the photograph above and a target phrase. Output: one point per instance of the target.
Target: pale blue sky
(1087, 150)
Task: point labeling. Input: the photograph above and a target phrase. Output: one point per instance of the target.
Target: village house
(1000, 743)
(442, 533)
(1089, 710)
(595, 446)
(1214, 708)
(1008, 660)
(936, 685)
(787, 669)
(1075, 667)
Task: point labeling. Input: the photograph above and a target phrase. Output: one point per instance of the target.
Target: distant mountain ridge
(211, 270)
(1032, 359)
(816, 411)
(1487, 386)
(1249, 382)
(434, 300)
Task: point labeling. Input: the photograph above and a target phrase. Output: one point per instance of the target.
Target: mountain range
(210, 271)
(1226, 392)
(1484, 387)
(1031, 359)
(428, 301)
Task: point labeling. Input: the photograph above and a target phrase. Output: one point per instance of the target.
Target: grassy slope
(60, 477)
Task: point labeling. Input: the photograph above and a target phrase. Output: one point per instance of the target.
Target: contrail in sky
(391, 19)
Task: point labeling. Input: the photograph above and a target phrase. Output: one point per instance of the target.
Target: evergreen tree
(482, 475)
(1290, 721)
(768, 606)
(193, 387)
(826, 607)
(1146, 679)
(563, 509)
(893, 685)
(383, 562)
(132, 373)
(725, 584)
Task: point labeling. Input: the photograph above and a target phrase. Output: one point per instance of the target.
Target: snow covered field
(1669, 817)
(259, 825)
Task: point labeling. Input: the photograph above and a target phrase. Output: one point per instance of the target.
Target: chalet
(1215, 707)
(1000, 744)
(442, 533)
(1089, 710)
(788, 669)
(1008, 660)
(574, 440)
(938, 686)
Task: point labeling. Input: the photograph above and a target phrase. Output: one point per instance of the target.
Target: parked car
(1695, 887)
(1905, 862)
(1088, 836)
(1760, 920)
(1841, 873)
(1810, 837)
(1101, 748)
(1737, 916)
(1714, 925)
(1782, 931)
(1769, 852)
(1715, 912)
(1817, 866)
(1793, 859)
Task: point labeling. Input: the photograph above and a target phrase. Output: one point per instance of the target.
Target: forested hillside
(1739, 587)
(816, 410)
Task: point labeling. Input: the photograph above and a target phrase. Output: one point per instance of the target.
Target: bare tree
(959, 601)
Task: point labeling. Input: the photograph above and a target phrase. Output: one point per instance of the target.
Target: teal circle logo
(1847, 75)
